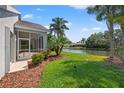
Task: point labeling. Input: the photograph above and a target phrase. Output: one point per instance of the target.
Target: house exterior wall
(5, 42)
(12, 8)
(8, 17)
(3, 6)
(8, 11)
(2, 49)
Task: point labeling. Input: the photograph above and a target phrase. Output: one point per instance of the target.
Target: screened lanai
(29, 41)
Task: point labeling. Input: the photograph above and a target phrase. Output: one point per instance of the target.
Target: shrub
(37, 58)
(45, 53)
(119, 51)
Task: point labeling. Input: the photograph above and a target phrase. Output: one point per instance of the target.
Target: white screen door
(24, 49)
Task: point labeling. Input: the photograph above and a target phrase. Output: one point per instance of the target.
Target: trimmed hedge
(38, 58)
(45, 53)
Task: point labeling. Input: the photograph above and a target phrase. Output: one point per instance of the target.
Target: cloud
(79, 6)
(93, 29)
(85, 29)
(86, 32)
(39, 9)
(31, 16)
(47, 27)
(96, 29)
(27, 16)
(69, 24)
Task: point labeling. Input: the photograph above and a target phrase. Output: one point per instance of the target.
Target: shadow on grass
(93, 74)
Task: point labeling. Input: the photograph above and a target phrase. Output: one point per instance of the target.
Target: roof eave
(31, 29)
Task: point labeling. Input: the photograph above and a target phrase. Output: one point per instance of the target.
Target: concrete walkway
(18, 66)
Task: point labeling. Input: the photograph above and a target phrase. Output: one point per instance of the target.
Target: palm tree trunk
(111, 30)
(122, 28)
(60, 49)
(57, 50)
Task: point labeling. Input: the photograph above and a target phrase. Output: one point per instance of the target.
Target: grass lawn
(81, 71)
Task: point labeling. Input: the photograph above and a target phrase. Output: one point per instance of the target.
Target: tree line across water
(100, 41)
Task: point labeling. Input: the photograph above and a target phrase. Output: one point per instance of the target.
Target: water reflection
(95, 52)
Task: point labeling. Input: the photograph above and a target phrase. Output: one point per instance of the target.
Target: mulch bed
(116, 61)
(27, 78)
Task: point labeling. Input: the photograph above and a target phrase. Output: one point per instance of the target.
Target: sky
(80, 23)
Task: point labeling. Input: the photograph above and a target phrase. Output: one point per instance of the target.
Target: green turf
(81, 71)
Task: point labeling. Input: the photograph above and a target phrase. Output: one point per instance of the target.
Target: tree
(97, 40)
(57, 34)
(83, 40)
(119, 19)
(68, 41)
(118, 37)
(119, 16)
(105, 12)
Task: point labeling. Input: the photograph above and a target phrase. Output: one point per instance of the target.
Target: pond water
(94, 52)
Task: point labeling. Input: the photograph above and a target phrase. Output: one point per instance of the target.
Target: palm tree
(57, 29)
(58, 26)
(105, 12)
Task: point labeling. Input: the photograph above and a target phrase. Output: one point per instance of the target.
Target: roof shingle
(30, 25)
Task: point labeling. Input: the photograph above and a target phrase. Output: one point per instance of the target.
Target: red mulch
(27, 78)
(115, 60)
